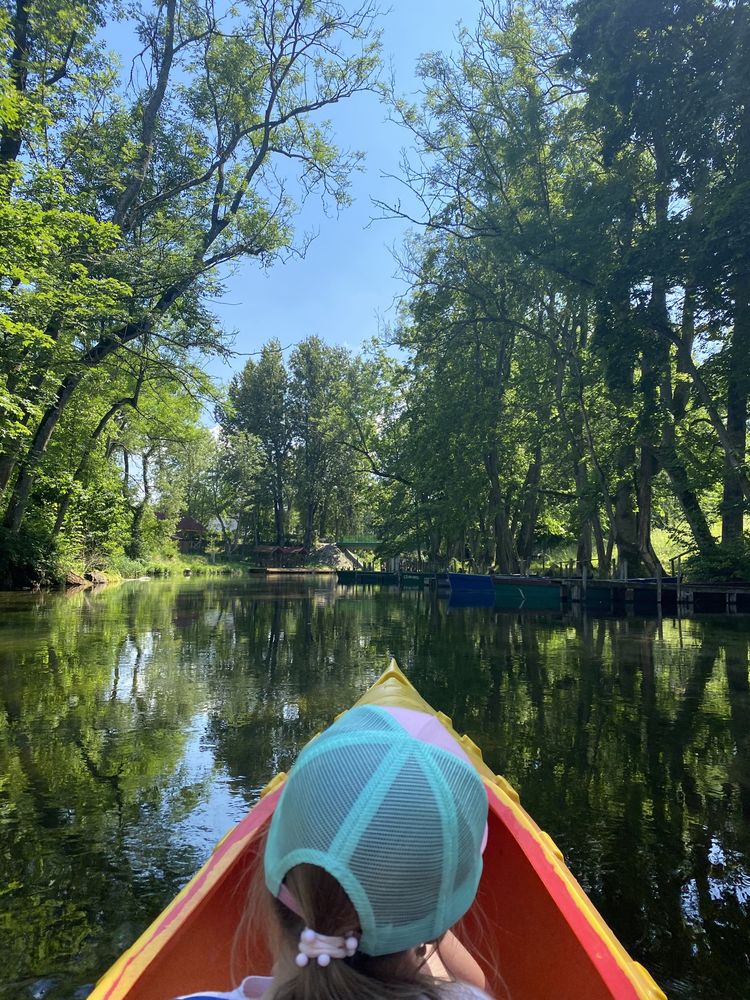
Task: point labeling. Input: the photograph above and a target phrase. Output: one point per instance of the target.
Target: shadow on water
(138, 724)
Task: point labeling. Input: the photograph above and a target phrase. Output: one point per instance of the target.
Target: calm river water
(139, 723)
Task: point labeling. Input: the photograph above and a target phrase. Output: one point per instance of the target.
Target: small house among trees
(280, 556)
(190, 535)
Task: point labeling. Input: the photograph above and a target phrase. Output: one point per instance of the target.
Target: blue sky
(347, 282)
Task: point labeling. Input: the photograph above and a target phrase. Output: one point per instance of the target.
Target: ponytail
(268, 935)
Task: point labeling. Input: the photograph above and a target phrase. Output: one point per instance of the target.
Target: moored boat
(300, 571)
(471, 599)
(547, 937)
(531, 593)
(366, 576)
(473, 582)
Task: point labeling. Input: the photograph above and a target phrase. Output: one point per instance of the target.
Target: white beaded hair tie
(323, 948)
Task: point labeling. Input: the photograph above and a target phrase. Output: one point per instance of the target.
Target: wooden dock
(670, 595)
(667, 595)
(406, 580)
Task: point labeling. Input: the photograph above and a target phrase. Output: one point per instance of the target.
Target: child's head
(377, 834)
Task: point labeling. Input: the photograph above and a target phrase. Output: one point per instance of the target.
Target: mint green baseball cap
(398, 822)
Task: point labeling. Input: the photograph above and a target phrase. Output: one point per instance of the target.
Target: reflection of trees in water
(634, 755)
(90, 742)
(631, 749)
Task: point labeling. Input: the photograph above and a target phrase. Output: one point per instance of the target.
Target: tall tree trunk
(7, 467)
(504, 556)
(323, 520)
(149, 122)
(30, 390)
(583, 551)
(530, 510)
(12, 137)
(649, 465)
(655, 366)
(135, 547)
(434, 537)
(676, 401)
(310, 511)
(278, 504)
(603, 551)
(19, 498)
(738, 386)
(738, 376)
(581, 443)
(108, 345)
(686, 495)
(625, 524)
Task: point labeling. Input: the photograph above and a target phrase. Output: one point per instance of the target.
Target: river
(140, 722)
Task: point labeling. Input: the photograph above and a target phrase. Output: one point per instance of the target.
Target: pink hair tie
(289, 900)
(323, 947)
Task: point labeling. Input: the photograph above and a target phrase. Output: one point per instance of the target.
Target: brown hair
(325, 907)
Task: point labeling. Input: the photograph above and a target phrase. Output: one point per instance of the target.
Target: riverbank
(325, 559)
(123, 568)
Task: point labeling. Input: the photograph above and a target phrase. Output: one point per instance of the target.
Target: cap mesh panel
(365, 800)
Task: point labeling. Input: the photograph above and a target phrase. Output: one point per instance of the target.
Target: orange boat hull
(547, 937)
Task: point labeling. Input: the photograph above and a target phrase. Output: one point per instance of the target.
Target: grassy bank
(124, 568)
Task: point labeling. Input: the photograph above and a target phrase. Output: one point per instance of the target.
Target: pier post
(687, 598)
(658, 586)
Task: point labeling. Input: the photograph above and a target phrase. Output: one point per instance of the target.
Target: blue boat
(464, 583)
(471, 599)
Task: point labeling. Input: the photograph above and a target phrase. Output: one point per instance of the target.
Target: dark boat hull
(356, 577)
(527, 593)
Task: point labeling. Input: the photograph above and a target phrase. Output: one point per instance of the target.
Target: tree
(183, 174)
(221, 479)
(580, 145)
(677, 92)
(318, 376)
(259, 398)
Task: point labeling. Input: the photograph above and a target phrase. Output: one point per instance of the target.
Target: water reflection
(139, 723)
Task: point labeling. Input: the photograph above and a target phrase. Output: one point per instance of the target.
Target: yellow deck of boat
(548, 939)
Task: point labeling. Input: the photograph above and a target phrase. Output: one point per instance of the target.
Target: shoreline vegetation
(149, 569)
(323, 559)
(568, 367)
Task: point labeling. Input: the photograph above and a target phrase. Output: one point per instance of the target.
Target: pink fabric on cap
(426, 728)
(429, 729)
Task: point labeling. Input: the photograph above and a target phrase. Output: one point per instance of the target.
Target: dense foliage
(124, 193)
(578, 333)
(572, 362)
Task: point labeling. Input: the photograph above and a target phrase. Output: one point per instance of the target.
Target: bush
(126, 567)
(29, 559)
(727, 562)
